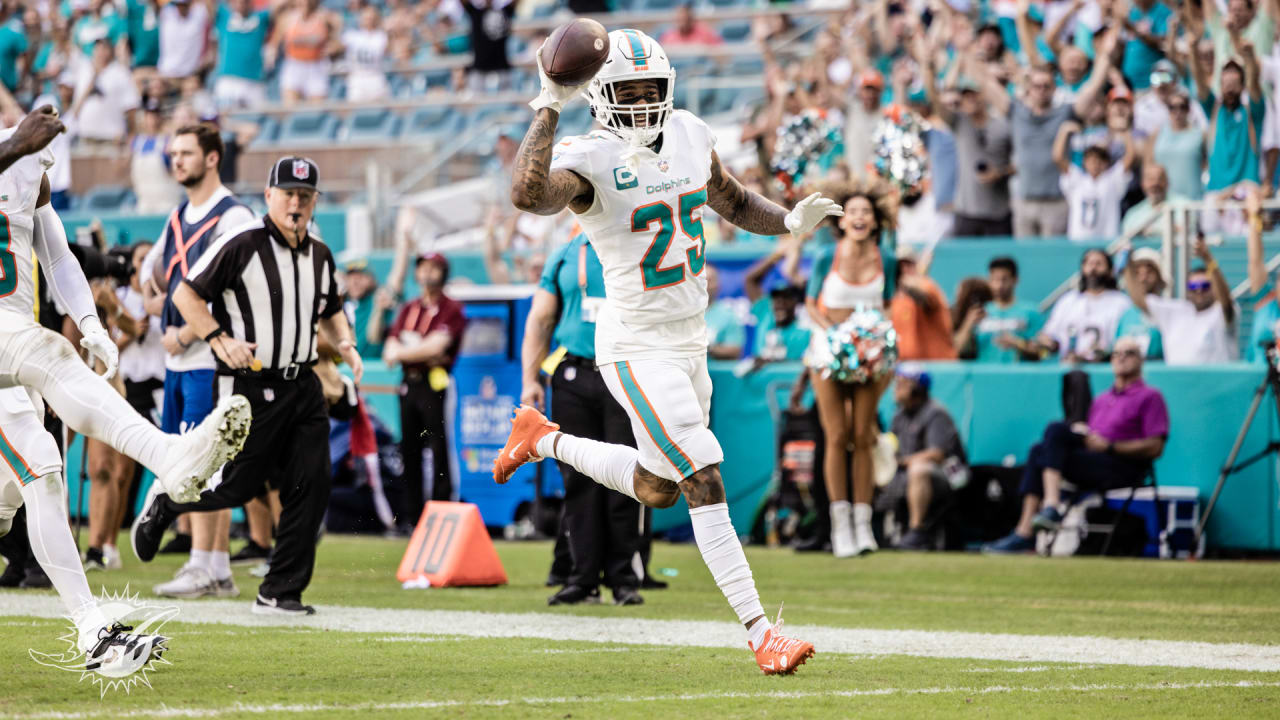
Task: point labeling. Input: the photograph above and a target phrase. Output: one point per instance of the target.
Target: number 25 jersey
(19, 190)
(645, 224)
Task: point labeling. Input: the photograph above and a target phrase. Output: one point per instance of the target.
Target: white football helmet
(632, 56)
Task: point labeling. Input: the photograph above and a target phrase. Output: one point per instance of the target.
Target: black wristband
(216, 332)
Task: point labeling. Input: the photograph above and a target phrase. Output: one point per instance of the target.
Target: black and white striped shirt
(262, 291)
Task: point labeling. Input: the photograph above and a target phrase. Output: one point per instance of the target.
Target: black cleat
(12, 575)
(652, 583)
(627, 595)
(148, 528)
(575, 595)
(276, 606)
(35, 579)
(251, 554)
(179, 545)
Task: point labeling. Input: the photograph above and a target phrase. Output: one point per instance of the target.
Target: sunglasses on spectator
(1179, 107)
(1131, 352)
(1199, 286)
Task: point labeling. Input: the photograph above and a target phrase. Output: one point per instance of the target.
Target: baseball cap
(966, 84)
(1120, 93)
(1163, 72)
(872, 78)
(294, 172)
(781, 288)
(358, 265)
(434, 257)
(916, 373)
(1145, 254)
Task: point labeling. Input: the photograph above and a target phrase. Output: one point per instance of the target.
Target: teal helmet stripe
(637, 48)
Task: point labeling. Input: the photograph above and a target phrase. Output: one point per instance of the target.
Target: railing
(1175, 249)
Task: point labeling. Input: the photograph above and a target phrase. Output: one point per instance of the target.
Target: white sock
(613, 466)
(202, 558)
(88, 404)
(220, 562)
(55, 549)
(861, 514)
(722, 552)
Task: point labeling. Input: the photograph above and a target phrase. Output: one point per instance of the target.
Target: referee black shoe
(276, 606)
(148, 528)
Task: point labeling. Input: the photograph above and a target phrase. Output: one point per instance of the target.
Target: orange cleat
(527, 428)
(781, 655)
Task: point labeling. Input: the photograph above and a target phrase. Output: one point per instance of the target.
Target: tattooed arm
(535, 187)
(740, 206)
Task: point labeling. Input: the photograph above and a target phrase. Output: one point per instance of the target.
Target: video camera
(116, 263)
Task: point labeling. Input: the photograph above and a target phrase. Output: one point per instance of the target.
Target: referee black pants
(288, 446)
(604, 528)
(422, 428)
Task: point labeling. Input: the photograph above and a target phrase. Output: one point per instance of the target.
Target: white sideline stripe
(172, 712)
(693, 633)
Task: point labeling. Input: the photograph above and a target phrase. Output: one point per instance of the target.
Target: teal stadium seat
(308, 127)
(657, 5)
(432, 122)
(370, 125)
(736, 31)
(107, 199)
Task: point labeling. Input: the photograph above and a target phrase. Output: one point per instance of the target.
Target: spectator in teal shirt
(725, 335)
(13, 43)
(143, 31)
(1147, 26)
(779, 333)
(1236, 120)
(242, 35)
(371, 311)
(1262, 289)
(1134, 323)
(1008, 325)
(101, 21)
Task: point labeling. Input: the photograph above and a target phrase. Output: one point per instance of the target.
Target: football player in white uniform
(638, 188)
(31, 356)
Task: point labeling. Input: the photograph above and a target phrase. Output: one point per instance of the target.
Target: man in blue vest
(602, 527)
(209, 211)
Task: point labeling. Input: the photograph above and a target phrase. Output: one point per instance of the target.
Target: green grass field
(222, 667)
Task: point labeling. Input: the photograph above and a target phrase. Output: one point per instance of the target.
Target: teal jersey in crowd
(723, 326)
(1266, 312)
(241, 39)
(1140, 57)
(13, 42)
(1237, 135)
(773, 342)
(362, 311)
(1021, 319)
(574, 274)
(144, 32)
(1137, 326)
(89, 30)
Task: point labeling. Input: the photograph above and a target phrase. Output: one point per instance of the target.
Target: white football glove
(810, 211)
(100, 346)
(553, 95)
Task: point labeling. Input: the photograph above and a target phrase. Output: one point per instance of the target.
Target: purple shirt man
(1135, 412)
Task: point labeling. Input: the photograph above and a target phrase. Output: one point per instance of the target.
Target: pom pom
(864, 347)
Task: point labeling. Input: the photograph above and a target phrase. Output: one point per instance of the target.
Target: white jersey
(1084, 322)
(19, 189)
(645, 224)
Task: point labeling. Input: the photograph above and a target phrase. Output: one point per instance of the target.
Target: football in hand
(575, 52)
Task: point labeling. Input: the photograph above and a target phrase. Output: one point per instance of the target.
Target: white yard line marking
(689, 633)
(164, 711)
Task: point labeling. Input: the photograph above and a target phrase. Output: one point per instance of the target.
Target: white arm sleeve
(66, 279)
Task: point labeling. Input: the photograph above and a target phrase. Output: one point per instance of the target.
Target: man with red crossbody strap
(209, 211)
(424, 340)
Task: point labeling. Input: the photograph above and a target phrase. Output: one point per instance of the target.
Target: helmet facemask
(638, 124)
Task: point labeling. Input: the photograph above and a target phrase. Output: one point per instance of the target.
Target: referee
(604, 529)
(269, 287)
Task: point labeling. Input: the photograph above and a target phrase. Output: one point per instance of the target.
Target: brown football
(575, 52)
